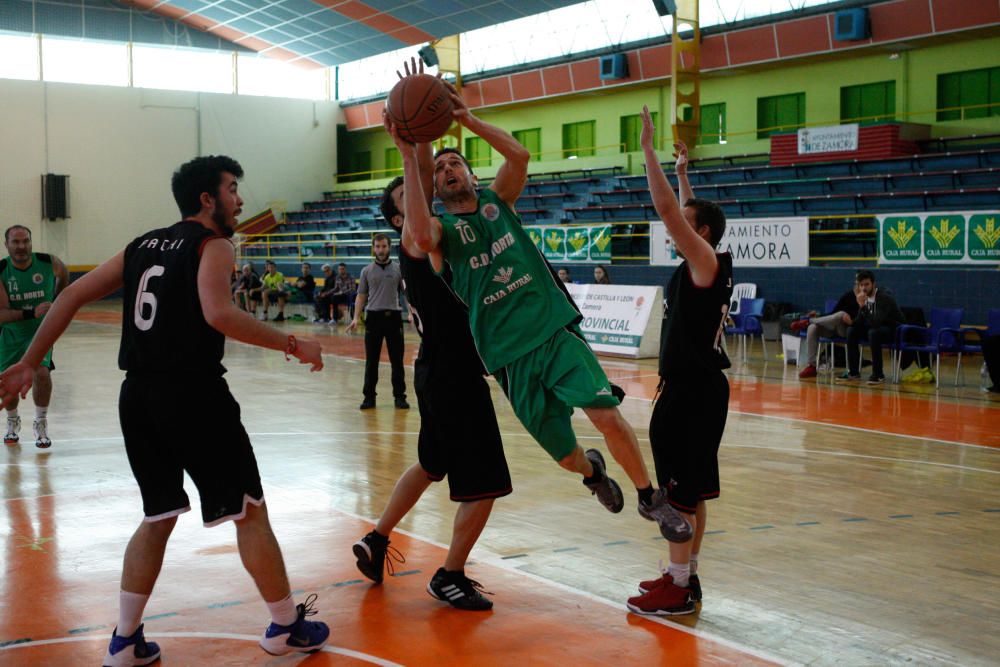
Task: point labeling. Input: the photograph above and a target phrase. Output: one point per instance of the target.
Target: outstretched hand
(411, 68)
(648, 129)
(681, 153)
(14, 382)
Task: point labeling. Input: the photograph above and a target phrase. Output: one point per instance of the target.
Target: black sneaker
(673, 526)
(401, 404)
(280, 317)
(371, 552)
(367, 404)
(876, 379)
(607, 490)
(459, 591)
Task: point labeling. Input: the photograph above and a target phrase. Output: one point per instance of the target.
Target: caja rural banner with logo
(938, 238)
(752, 242)
(583, 243)
(623, 320)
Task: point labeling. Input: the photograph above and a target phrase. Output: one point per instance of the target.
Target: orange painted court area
(57, 591)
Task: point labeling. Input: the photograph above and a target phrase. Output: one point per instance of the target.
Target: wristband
(293, 345)
(27, 313)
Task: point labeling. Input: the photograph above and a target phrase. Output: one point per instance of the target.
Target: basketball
(420, 108)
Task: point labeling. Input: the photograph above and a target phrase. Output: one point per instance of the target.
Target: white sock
(681, 572)
(40, 412)
(283, 612)
(12, 414)
(694, 563)
(130, 608)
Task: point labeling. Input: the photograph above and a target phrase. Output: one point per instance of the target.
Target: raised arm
(681, 169)
(513, 173)
(420, 227)
(98, 283)
(699, 254)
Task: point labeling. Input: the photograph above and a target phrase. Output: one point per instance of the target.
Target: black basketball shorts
(685, 431)
(459, 436)
(171, 426)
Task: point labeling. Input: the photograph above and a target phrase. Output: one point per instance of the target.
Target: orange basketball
(420, 108)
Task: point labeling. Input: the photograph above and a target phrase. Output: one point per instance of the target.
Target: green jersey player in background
(29, 283)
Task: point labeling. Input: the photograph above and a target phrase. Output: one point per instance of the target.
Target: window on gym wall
(578, 139)
(712, 129)
(868, 103)
(631, 131)
(477, 152)
(393, 163)
(77, 61)
(260, 75)
(780, 113)
(18, 57)
(532, 140)
(182, 69)
(970, 94)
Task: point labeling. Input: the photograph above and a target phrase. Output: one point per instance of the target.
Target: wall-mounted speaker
(614, 66)
(55, 196)
(850, 25)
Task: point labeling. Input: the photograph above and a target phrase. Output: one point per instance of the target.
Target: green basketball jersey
(514, 302)
(27, 289)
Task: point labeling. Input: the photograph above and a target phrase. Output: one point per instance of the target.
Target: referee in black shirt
(379, 290)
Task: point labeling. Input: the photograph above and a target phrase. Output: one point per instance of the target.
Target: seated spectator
(274, 285)
(307, 284)
(563, 274)
(248, 289)
(878, 317)
(833, 324)
(325, 294)
(601, 276)
(342, 293)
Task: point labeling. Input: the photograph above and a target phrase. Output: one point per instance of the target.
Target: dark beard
(219, 218)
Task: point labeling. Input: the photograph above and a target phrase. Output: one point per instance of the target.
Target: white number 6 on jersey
(144, 298)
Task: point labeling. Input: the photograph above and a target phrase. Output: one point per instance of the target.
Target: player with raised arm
(689, 415)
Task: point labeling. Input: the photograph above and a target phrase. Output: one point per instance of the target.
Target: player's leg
(622, 443)
(41, 393)
(11, 351)
(12, 434)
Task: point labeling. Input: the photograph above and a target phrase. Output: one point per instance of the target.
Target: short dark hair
(307, 264)
(387, 206)
(449, 149)
(708, 213)
(864, 274)
(202, 174)
(381, 237)
(6, 234)
(343, 265)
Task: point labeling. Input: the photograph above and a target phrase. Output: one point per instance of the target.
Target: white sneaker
(41, 426)
(13, 428)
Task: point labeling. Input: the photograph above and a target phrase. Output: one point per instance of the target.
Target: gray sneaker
(673, 526)
(607, 490)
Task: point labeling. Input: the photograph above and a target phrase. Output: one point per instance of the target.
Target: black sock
(595, 477)
(646, 495)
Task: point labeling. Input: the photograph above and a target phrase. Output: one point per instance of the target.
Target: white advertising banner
(753, 242)
(829, 139)
(622, 320)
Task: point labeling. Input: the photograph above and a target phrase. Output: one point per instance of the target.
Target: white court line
(484, 555)
(203, 635)
(863, 456)
(851, 428)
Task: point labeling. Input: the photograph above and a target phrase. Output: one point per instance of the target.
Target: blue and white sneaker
(302, 636)
(130, 651)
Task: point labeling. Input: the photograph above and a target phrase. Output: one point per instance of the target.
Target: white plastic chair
(741, 291)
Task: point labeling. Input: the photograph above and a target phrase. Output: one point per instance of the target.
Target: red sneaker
(799, 325)
(650, 584)
(808, 372)
(667, 599)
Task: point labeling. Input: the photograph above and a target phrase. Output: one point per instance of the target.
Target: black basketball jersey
(692, 333)
(441, 319)
(163, 328)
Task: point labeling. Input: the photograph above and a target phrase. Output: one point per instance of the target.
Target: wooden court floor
(856, 526)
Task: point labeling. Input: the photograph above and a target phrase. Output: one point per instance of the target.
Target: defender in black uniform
(459, 436)
(177, 312)
(689, 418)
